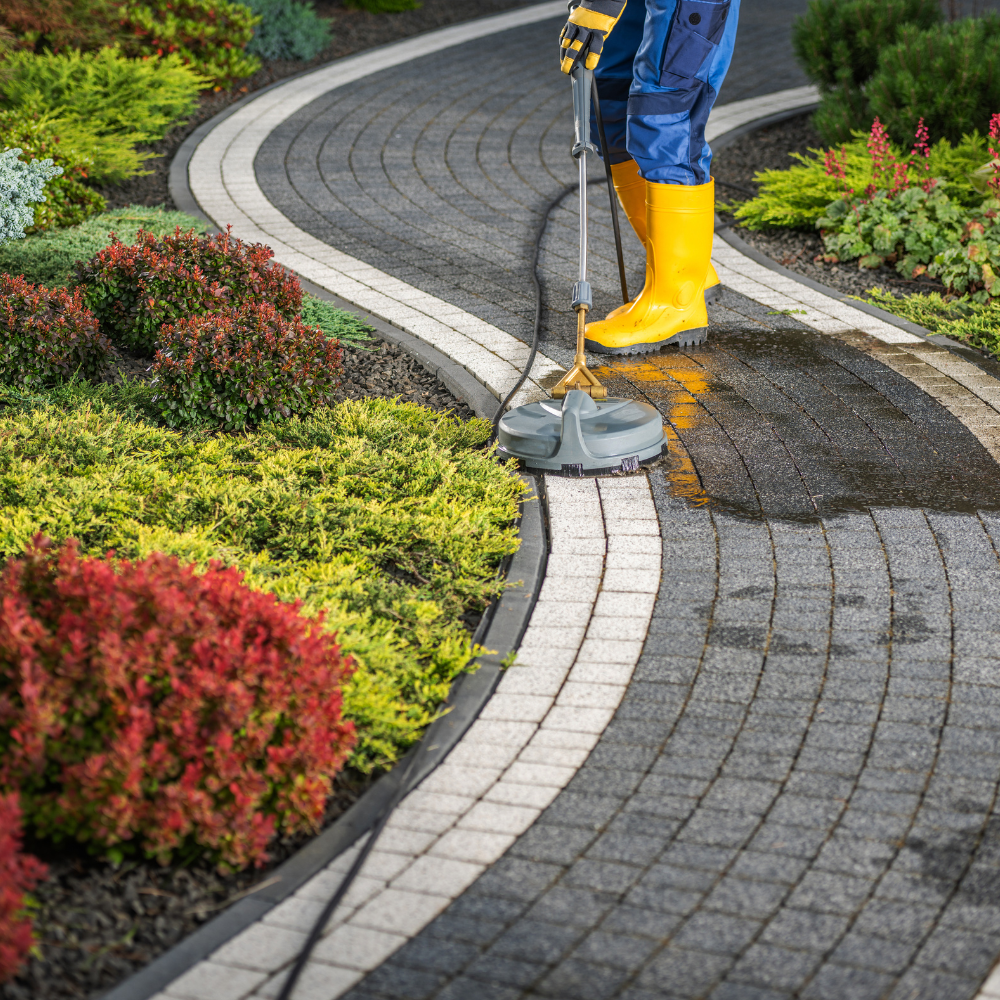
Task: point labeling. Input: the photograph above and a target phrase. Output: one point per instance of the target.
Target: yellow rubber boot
(631, 190)
(671, 308)
(713, 287)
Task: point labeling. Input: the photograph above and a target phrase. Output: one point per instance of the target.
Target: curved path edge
(502, 635)
(220, 181)
(574, 664)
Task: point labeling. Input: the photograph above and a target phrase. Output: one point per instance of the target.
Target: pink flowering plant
(908, 218)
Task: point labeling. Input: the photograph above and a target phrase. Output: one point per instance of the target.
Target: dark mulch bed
(770, 148)
(353, 31)
(387, 371)
(97, 923)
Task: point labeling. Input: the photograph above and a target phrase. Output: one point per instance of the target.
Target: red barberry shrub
(150, 703)
(241, 366)
(19, 873)
(46, 335)
(134, 290)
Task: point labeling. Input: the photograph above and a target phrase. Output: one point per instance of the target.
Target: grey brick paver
(795, 795)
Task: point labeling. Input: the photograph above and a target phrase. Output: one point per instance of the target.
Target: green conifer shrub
(838, 43)
(140, 99)
(949, 75)
(289, 29)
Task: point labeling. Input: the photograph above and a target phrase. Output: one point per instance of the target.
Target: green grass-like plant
(347, 327)
(386, 515)
(976, 324)
(137, 99)
(47, 258)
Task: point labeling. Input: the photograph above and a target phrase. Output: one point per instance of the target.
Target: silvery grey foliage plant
(21, 187)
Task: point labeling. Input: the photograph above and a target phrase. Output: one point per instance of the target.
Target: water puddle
(794, 426)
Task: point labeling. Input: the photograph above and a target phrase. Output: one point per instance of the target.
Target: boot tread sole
(686, 338)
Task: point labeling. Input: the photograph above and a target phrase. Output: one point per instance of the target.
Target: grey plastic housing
(582, 436)
(583, 295)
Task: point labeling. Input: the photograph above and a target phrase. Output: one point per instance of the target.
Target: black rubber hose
(505, 402)
(606, 156)
(317, 929)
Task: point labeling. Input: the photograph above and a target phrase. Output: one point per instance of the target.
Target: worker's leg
(685, 52)
(614, 75)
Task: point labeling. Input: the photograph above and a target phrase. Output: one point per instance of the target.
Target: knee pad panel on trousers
(694, 36)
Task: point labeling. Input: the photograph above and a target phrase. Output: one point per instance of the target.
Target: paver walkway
(437, 174)
(796, 794)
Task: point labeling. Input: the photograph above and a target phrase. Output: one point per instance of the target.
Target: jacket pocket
(694, 35)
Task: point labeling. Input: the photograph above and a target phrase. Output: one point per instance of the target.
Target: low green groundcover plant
(794, 198)
(919, 228)
(974, 323)
(388, 517)
(350, 329)
(48, 258)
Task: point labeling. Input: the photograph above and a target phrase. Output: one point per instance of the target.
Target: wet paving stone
(796, 795)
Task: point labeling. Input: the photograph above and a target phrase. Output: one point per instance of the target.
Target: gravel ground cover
(770, 148)
(387, 371)
(353, 31)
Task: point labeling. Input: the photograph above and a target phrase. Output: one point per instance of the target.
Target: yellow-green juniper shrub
(388, 517)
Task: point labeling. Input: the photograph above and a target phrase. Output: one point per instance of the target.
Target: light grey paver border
(221, 179)
(502, 635)
(574, 663)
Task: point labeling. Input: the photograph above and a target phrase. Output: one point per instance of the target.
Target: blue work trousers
(658, 77)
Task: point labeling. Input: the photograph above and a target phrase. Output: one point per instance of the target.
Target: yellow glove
(584, 33)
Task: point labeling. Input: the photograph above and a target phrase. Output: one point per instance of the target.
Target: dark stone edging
(468, 695)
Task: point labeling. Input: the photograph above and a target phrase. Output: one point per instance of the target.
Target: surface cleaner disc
(579, 436)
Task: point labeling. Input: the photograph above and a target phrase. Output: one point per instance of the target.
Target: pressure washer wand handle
(583, 82)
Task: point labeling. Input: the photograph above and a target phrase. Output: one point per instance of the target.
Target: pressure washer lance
(579, 376)
(588, 434)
